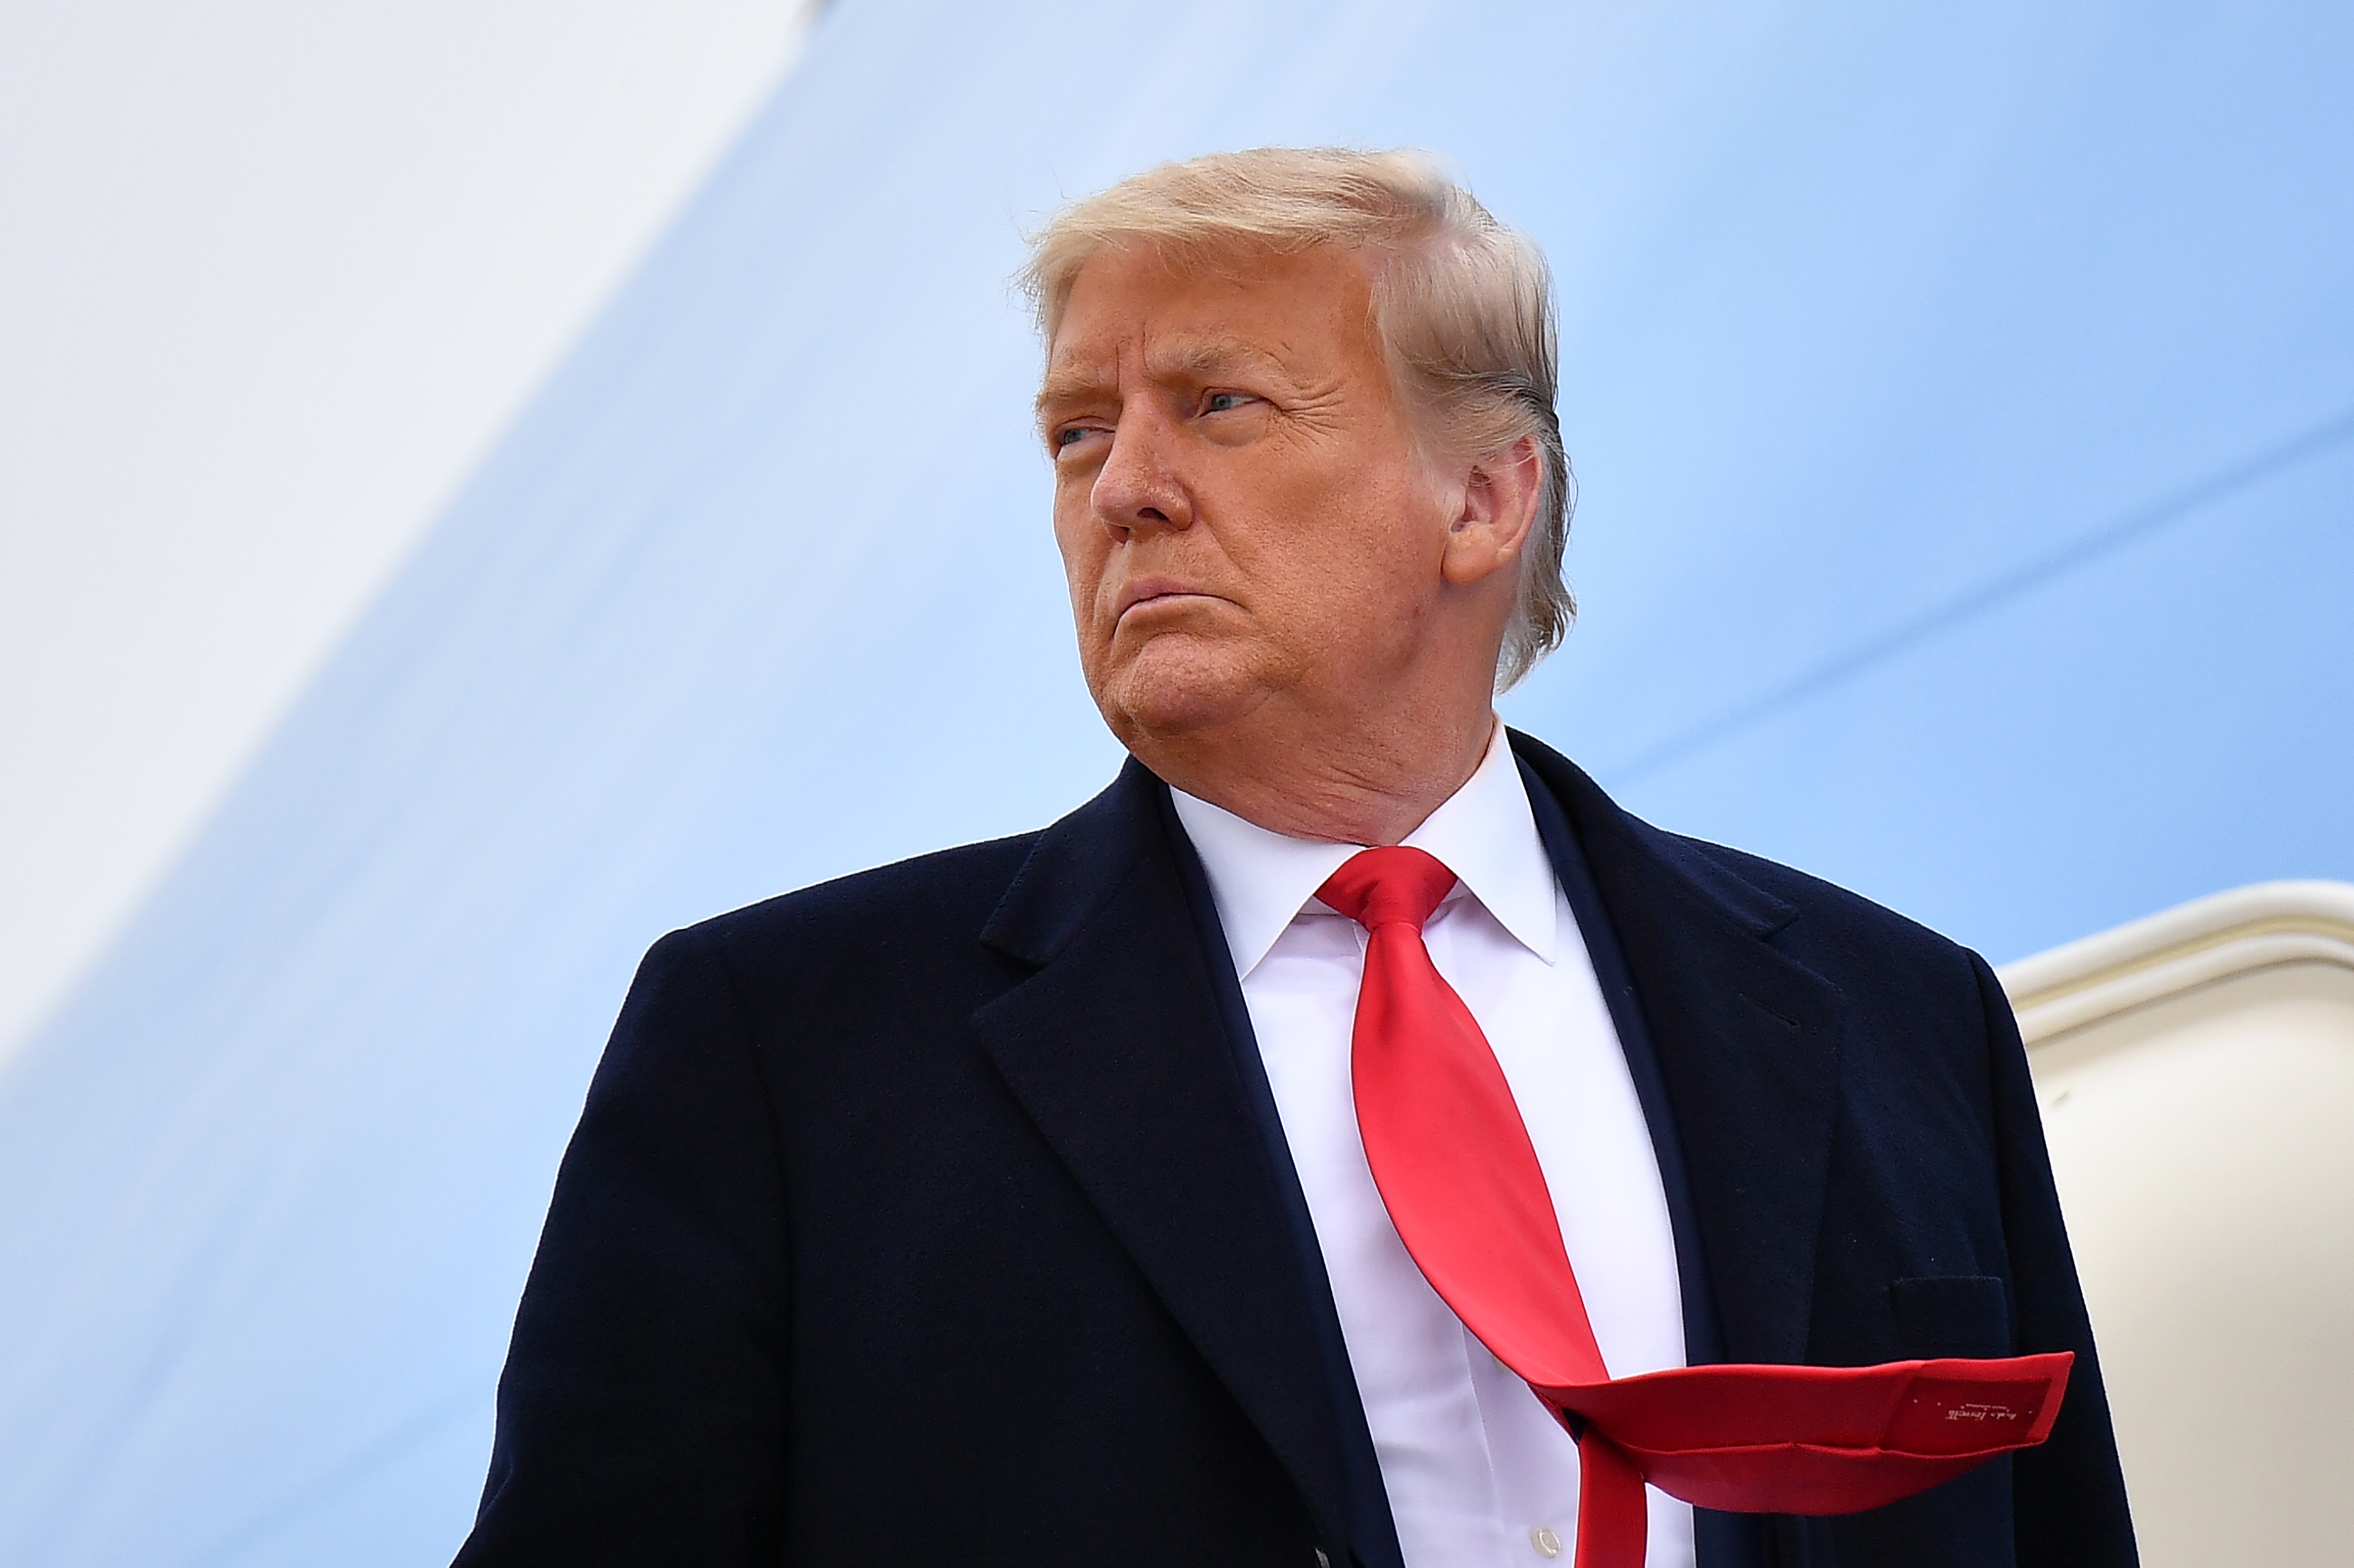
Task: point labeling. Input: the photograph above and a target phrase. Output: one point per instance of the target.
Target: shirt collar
(1484, 832)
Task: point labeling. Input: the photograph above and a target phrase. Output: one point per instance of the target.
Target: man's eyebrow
(1063, 386)
(1204, 358)
(1217, 355)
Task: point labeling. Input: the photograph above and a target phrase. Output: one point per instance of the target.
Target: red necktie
(1462, 1184)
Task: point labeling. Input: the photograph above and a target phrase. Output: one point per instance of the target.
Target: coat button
(1547, 1543)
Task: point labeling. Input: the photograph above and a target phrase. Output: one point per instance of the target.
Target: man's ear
(1498, 511)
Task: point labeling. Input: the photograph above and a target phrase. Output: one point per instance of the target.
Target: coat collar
(1747, 1041)
(1115, 1050)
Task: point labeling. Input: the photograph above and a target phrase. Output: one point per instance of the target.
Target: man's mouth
(1154, 590)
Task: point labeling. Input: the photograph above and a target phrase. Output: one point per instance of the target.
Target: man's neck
(1364, 788)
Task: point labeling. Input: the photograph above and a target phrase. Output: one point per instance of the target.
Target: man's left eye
(1226, 402)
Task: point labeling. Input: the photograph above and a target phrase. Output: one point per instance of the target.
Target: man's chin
(1176, 699)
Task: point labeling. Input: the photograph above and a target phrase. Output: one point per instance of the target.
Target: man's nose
(1137, 487)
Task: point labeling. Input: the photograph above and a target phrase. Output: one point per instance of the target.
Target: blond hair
(1462, 306)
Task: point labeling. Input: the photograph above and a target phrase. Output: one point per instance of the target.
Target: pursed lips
(1154, 590)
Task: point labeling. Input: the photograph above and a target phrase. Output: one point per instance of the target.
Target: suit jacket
(940, 1211)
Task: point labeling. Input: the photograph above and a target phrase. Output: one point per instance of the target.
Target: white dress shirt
(1476, 1472)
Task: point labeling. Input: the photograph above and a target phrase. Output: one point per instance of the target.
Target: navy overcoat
(938, 1214)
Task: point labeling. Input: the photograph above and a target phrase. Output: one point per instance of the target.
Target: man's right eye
(1071, 436)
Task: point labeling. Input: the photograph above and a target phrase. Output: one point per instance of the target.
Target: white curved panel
(2197, 1073)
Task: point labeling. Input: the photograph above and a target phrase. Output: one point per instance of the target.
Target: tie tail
(1819, 1440)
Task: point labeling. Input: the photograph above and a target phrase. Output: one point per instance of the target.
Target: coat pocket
(1952, 1315)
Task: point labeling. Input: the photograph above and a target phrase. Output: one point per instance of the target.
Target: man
(1074, 1198)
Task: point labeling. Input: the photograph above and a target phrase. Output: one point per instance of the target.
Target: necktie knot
(1385, 886)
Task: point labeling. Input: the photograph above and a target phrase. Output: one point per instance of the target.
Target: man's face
(1242, 515)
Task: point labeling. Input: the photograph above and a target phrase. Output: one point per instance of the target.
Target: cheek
(1070, 535)
(1353, 551)
(1086, 551)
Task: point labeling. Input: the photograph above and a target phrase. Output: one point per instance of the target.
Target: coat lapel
(1115, 1049)
(1747, 1042)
